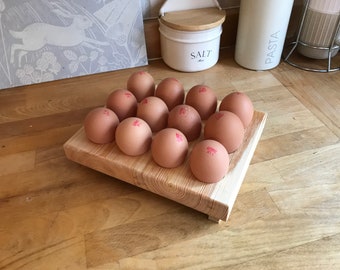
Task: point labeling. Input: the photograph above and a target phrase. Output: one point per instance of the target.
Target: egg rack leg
(217, 220)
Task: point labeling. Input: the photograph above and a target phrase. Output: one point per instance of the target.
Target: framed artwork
(44, 40)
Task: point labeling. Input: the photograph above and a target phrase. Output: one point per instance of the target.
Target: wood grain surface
(57, 214)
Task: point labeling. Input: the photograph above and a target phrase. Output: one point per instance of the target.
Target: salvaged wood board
(178, 184)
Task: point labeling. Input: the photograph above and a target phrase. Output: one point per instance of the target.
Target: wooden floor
(56, 214)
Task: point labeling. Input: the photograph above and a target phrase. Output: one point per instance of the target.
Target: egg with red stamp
(226, 128)
(123, 103)
(133, 136)
(209, 161)
(169, 148)
(154, 111)
(171, 91)
(185, 118)
(240, 104)
(100, 125)
(203, 99)
(141, 84)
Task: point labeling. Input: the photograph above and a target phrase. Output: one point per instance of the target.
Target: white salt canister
(190, 33)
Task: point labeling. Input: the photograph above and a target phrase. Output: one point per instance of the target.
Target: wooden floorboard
(56, 214)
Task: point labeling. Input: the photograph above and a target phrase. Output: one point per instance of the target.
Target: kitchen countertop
(57, 214)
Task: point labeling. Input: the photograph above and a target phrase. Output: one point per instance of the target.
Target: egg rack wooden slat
(178, 184)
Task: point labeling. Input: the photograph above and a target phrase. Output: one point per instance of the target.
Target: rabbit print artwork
(43, 40)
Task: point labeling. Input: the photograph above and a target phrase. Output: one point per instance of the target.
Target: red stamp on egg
(183, 111)
(179, 137)
(106, 112)
(202, 89)
(219, 115)
(136, 123)
(211, 150)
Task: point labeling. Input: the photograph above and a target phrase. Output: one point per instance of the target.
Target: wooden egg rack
(178, 184)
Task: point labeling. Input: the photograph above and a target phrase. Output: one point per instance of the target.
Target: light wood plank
(260, 238)
(317, 91)
(68, 254)
(17, 163)
(318, 255)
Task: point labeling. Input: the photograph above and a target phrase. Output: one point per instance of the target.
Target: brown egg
(240, 104)
(100, 125)
(141, 84)
(186, 119)
(203, 99)
(123, 103)
(209, 161)
(154, 111)
(133, 136)
(171, 91)
(169, 148)
(226, 128)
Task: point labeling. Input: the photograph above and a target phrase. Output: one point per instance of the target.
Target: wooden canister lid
(194, 19)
